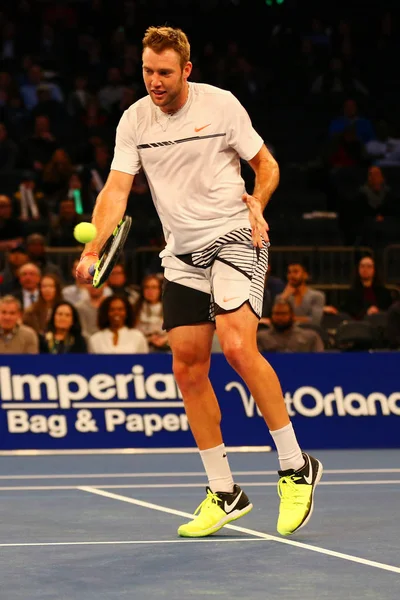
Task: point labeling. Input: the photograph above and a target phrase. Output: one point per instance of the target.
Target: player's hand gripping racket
(110, 252)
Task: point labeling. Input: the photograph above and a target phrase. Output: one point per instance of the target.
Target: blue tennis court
(104, 527)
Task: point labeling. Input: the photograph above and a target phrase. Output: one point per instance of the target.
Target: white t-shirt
(130, 341)
(192, 162)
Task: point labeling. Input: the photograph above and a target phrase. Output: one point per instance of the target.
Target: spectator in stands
(307, 304)
(117, 281)
(100, 168)
(36, 247)
(117, 335)
(15, 116)
(8, 151)
(94, 121)
(284, 335)
(363, 126)
(12, 231)
(88, 309)
(32, 206)
(338, 81)
(16, 257)
(367, 295)
(50, 108)
(57, 172)
(64, 332)
(14, 337)
(79, 97)
(375, 198)
(149, 313)
(111, 94)
(38, 315)
(62, 228)
(346, 149)
(40, 146)
(77, 190)
(27, 291)
(384, 149)
(29, 90)
(362, 212)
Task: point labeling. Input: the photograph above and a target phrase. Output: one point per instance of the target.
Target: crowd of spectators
(40, 314)
(322, 89)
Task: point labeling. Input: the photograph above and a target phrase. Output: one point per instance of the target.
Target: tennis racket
(110, 252)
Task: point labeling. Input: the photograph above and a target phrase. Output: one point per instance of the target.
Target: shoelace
(209, 501)
(289, 490)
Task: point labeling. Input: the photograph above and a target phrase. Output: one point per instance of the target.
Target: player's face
(164, 78)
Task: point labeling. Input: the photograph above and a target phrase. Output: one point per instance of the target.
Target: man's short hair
(283, 302)
(298, 263)
(163, 38)
(34, 238)
(9, 299)
(30, 264)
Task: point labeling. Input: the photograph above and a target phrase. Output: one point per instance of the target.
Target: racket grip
(91, 270)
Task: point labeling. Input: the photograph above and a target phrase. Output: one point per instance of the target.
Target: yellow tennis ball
(85, 232)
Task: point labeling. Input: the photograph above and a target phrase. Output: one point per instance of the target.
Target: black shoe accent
(231, 501)
(308, 473)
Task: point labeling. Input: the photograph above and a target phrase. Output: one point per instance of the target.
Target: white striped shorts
(221, 278)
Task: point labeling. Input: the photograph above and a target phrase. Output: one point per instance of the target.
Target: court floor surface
(103, 527)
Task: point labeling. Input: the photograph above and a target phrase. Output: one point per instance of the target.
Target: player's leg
(238, 298)
(186, 311)
(191, 347)
(299, 472)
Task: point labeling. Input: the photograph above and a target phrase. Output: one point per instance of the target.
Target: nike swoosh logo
(197, 129)
(229, 507)
(308, 479)
(225, 299)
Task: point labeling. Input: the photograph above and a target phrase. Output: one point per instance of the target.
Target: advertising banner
(132, 401)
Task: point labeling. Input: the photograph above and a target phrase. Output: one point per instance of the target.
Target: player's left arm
(266, 170)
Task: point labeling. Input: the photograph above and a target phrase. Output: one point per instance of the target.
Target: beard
(281, 327)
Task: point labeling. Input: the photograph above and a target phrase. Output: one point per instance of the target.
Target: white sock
(289, 452)
(217, 467)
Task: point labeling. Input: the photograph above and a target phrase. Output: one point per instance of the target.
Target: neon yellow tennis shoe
(296, 491)
(215, 511)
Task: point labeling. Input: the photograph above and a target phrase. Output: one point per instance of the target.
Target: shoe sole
(308, 517)
(233, 516)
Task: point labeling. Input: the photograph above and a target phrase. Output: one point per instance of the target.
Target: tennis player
(189, 139)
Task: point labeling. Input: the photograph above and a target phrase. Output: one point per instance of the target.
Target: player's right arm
(109, 209)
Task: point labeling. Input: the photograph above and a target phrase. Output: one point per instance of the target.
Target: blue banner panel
(84, 402)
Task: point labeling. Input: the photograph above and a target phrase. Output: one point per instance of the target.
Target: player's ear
(187, 69)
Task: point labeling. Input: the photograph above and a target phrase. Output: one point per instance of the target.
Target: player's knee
(189, 373)
(234, 350)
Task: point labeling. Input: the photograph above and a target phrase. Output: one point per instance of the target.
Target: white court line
(184, 474)
(259, 534)
(131, 542)
(147, 486)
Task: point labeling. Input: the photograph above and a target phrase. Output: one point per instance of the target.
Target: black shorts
(215, 280)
